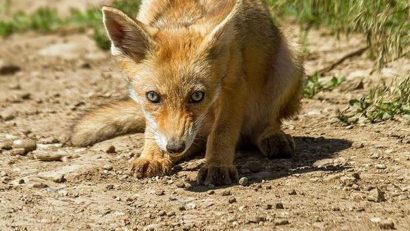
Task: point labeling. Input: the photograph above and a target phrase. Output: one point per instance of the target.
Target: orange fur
(228, 50)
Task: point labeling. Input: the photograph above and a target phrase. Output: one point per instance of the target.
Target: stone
(8, 68)
(226, 193)
(232, 200)
(279, 205)
(6, 144)
(380, 166)
(27, 144)
(281, 222)
(244, 181)
(111, 150)
(376, 195)
(386, 224)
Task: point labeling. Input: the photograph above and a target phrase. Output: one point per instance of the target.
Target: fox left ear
(128, 37)
(223, 33)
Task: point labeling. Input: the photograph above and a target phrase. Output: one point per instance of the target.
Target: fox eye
(197, 97)
(153, 97)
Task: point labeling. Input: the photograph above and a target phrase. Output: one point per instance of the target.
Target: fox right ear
(128, 37)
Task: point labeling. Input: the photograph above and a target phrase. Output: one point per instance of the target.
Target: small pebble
(160, 192)
(292, 192)
(180, 185)
(108, 167)
(27, 145)
(386, 224)
(268, 206)
(380, 166)
(281, 222)
(226, 193)
(376, 195)
(162, 213)
(279, 205)
(111, 150)
(244, 181)
(232, 200)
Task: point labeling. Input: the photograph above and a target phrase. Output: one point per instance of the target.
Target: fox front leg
(219, 168)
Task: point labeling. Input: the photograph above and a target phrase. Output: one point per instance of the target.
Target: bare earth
(341, 178)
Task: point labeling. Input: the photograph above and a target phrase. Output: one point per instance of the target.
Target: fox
(204, 77)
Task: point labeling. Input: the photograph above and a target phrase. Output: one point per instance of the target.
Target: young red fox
(203, 75)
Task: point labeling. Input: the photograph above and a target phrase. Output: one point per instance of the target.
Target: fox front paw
(217, 175)
(142, 167)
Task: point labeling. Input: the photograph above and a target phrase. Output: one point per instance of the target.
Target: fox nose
(175, 147)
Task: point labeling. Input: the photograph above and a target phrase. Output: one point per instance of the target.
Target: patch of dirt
(341, 178)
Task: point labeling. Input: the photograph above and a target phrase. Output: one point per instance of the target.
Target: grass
(46, 20)
(383, 102)
(313, 85)
(385, 23)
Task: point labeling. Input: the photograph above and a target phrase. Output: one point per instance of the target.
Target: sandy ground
(341, 178)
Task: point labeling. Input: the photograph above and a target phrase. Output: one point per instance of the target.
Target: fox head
(175, 73)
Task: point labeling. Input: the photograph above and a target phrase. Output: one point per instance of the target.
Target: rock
(18, 152)
(8, 68)
(375, 156)
(226, 193)
(348, 180)
(357, 145)
(256, 219)
(27, 144)
(232, 200)
(171, 214)
(152, 227)
(8, 114)
(279, 205)
(49, 156)
(380, 166)
(39, 185)
(6, 144)
(376, 195)
(244, 181)
(292, 192)
(190, 205)
(160, 192)
(180, 184)
(386, 224)
(281, 222)
(268, 206)
(53, 176)
(162, 213)
(108, 167)
(323, 163)
(111, 150)
(375, 220)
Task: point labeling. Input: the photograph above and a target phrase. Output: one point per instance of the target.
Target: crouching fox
(204, 76)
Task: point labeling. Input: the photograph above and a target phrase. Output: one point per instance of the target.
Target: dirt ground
(341, 178)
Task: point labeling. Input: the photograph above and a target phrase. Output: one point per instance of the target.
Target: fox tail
(109, 121)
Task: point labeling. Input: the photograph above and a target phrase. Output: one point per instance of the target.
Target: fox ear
(222, 33)
(128, 37)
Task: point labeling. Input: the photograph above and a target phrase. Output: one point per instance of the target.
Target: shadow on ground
(309, 150)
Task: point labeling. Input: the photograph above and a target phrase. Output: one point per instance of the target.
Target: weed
(314, 85)
(384, 102)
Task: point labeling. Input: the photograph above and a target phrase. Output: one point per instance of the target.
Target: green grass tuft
(47, 20)
(385, 23)
(384, 102)
(313, 85)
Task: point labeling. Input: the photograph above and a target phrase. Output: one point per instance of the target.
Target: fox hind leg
(274, 143)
